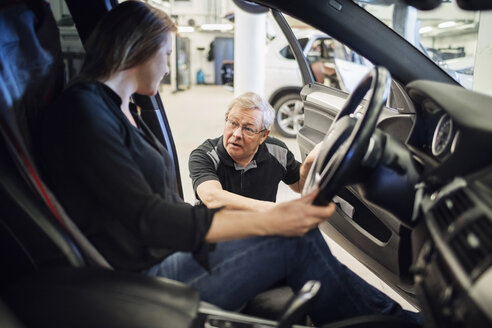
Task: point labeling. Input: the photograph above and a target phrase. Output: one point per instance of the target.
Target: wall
(198, 59)
(468, 41)
(200, 12)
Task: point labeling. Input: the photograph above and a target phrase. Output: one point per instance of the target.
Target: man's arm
(213, 196)
(304, 169)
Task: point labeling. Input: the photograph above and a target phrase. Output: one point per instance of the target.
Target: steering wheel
(339, 160)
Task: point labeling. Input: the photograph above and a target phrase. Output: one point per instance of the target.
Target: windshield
(448, 35)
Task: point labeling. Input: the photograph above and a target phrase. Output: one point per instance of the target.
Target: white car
(331, 62)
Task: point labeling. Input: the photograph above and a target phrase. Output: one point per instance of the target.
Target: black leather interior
(269, 304)
(7, 318)
(88, 297)
(51, 276)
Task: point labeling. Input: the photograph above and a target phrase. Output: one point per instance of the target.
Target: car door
(372, 235)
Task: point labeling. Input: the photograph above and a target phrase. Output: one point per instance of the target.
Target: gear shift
(299, 303)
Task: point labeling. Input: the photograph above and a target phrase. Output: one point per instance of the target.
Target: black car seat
(51, 275)
(32, 75)
(7, 318)
(35, 233)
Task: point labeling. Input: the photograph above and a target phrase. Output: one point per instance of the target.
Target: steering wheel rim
(347, 139)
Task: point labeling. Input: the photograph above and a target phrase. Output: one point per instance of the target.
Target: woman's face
(151, 72)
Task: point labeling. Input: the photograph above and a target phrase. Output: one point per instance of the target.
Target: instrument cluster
(442, 133)
(445, 138)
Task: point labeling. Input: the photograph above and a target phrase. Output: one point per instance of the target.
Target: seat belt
(29, 171)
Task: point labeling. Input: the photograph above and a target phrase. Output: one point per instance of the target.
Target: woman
(114, 179)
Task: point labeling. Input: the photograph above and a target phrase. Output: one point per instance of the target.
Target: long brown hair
(126, 36)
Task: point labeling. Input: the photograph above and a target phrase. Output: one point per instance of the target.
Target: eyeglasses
(247, 131)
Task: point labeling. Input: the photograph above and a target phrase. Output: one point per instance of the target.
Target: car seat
(51, 274)
(44, 251)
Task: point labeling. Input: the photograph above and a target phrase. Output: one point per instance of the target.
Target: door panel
(372, 235)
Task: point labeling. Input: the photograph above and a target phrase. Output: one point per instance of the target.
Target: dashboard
(453, 241)
(452, 131)
(454, 265)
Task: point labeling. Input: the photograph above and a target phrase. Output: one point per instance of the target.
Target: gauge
(456, 140)
(442, 135)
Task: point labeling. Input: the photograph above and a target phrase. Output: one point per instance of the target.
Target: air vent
(450, 208)
(473, 246)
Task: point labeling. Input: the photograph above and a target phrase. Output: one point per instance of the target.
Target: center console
(453, 271)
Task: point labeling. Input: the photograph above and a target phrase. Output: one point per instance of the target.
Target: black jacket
(116, 181)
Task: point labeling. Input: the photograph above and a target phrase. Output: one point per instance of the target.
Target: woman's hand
(297, 217)
(293, 218)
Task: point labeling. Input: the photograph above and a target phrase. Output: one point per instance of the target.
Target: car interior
(408, 151)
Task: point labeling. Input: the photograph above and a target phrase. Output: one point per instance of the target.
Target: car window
(286, 52)
(448, 35)
(332, 63)
(321, 49)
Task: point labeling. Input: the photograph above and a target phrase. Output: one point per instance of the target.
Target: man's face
(239, 145)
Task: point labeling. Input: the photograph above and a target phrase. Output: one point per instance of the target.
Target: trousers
(241, 269)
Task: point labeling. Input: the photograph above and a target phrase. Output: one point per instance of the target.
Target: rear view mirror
(251, 7)
(475, 4)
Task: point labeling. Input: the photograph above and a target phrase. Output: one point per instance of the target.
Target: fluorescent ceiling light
(161, 3)
(425, 29)
(466, 26)
(216, 27)
(186, 29)
(446, 24)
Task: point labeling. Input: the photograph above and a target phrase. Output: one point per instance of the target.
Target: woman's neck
(123, 85)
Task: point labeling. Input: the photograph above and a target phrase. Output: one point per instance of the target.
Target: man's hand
(305, 167)
(308, 162)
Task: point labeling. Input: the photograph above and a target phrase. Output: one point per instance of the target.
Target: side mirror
(475, 4)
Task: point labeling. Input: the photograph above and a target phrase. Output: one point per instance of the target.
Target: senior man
(242, 168)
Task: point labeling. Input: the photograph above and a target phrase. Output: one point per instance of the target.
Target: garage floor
(197, 114)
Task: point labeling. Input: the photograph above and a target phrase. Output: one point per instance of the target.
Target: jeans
(241, 269)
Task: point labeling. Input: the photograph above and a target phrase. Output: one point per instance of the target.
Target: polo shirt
(272, 163)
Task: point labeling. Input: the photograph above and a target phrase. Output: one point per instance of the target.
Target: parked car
(463, 69)
(415, 172)
(332, 64)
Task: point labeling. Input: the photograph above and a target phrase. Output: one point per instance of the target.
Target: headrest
(31, 67)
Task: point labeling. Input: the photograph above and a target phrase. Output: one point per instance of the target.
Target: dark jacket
(116, 181)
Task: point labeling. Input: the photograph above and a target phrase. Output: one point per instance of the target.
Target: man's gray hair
(251, 100)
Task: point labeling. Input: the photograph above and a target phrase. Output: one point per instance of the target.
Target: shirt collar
(110, 93)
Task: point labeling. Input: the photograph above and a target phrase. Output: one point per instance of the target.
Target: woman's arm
(293, 218)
